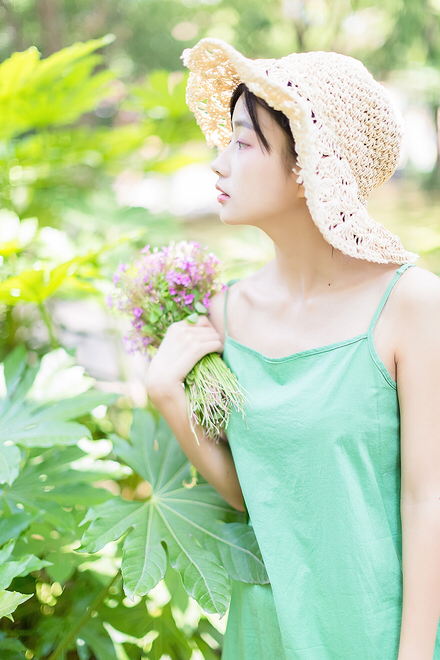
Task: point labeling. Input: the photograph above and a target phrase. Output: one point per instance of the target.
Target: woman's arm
(183, 345)
(418, 381)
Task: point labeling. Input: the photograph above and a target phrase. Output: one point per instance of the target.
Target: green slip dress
(319, 467)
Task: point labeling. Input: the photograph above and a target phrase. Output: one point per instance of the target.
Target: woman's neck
(306, 264)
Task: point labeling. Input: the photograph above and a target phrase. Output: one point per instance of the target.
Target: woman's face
(260, 191)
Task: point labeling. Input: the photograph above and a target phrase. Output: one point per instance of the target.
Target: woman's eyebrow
(243, 123)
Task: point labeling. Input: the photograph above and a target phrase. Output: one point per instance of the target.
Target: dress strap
(226, 297)
(397, 274)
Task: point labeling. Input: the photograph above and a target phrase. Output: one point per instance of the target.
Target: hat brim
(331, 191)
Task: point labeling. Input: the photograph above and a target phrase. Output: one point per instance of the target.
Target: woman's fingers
(207, 347)
(202, 330)
(202, 322)
(183, 345)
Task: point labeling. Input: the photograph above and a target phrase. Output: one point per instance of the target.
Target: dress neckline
(297, 354)
(368, 335)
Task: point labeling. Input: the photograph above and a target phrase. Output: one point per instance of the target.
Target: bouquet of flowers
(168, 285)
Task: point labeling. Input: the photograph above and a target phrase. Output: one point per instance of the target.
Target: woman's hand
(184, 344)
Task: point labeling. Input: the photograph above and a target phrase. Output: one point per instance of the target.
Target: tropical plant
(167, 528)
(26, 422)
(181, 519)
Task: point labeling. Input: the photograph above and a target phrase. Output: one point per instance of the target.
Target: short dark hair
(251, 101)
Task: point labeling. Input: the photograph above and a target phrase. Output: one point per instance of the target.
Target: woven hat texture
(346, 131)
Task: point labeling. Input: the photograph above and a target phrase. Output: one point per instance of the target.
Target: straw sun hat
(346, 131)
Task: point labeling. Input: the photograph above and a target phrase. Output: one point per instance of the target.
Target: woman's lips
(223, 196)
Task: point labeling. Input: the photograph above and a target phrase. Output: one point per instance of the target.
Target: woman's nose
(215, 166)
(219, 164)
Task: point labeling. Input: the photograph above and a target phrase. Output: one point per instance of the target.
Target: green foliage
(10, 528)
(53, 159)
(188, 521)
(52, 155)
(50, 485)
(11, 649)
(389, 34)
(9, 601)
(61, 87)
(11, 569)
(162, 98)
(27, 423)
(144, 628)
(37, 285)
(56, 591)
(15, 235)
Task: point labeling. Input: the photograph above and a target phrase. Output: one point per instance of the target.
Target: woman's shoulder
(417, 308)
(418, 288)
(240, 291)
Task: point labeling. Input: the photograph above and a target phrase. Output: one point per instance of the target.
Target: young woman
(337, 340)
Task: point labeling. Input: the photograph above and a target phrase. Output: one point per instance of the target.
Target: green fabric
(319, 466)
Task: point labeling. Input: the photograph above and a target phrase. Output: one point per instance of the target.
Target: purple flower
(117, 276)
(178, 274)
(186, 280)
(130, 344)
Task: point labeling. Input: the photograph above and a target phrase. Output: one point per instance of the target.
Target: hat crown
(343, 95)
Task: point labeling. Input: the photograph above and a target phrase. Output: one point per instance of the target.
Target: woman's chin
(234, 219)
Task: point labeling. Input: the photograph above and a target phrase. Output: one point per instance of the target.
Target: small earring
(298, 174)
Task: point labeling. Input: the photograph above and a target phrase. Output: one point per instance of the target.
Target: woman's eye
(244, 145)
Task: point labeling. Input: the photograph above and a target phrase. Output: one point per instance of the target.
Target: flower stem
(48, 323)
(94, 607)
(211, 388)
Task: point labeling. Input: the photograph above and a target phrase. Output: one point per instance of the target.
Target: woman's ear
(301, 192)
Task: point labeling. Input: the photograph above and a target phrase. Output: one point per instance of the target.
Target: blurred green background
(99, 156)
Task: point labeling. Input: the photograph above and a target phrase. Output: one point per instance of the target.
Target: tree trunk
(51, 36)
